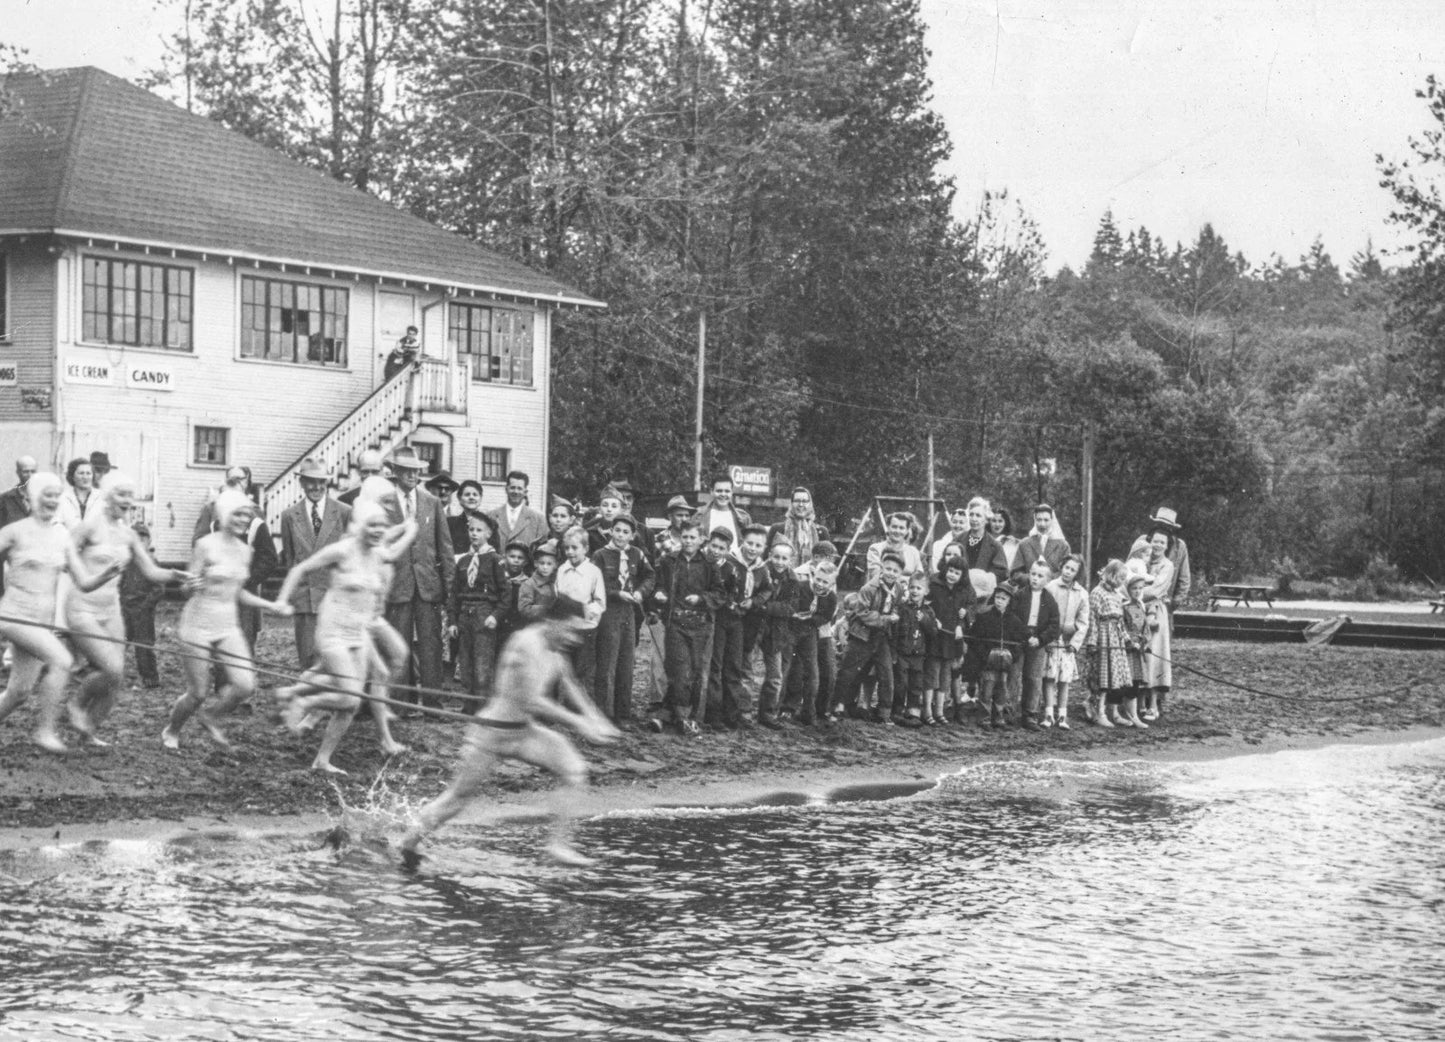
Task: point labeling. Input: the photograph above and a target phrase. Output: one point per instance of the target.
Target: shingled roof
(116, 162)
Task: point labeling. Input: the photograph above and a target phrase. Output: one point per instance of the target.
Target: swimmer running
(210, 622)
(38, 550)
(360, 575)
(534, 684)
(94, 617)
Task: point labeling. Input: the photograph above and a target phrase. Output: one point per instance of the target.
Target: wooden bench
(1240, 593)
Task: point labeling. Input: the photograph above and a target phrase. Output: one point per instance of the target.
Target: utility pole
(930, 466)
(697, 423)
(1086, 526)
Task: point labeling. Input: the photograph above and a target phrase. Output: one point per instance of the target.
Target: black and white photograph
(709, 520)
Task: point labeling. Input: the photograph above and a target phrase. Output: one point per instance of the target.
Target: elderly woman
(79, 500)
(94, 617)
(39, 552)
(1158, 673)
(800, 527)
(211, 620)
(360, 570)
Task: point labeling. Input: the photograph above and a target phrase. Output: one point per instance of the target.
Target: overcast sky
(1260, 116)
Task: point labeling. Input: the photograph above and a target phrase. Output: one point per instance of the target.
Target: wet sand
(137, 787)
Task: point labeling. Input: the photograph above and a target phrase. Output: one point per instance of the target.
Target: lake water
(1287, 896)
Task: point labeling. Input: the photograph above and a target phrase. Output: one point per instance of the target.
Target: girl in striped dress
(1109, 672)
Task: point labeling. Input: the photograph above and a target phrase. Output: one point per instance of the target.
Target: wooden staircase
(383, 421)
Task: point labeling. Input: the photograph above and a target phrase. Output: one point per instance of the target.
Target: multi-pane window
(496, 343)
(212, 444)
(430, 454)
(495, 464)
(293, 322)
(127, 302)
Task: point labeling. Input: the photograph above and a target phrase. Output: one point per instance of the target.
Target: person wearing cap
(801, 528)
(628, 579)
(721, 512)
(1166, 520)
(515, 520)
(138, 599)
(539, 591)
(560, 517)
(599, 528)
(423, 575)
(995, 638)
(666, 541)
(1158, 672)
(481, 596)
(307, 526)
(876, 610)
(517, 562)
(1045, 541)
(264, 558)
(535, 687)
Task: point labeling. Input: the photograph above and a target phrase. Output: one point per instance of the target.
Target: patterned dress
(1109, 668)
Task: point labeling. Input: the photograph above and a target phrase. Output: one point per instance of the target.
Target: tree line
(774, 165)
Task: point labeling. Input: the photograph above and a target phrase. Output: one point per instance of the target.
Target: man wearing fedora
(514, 520)
(423, 575)
(1166, 519)
(311, 524)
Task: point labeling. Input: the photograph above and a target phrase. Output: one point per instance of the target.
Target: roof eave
(559, 299)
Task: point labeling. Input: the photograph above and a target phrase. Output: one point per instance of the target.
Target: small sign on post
(751, 481)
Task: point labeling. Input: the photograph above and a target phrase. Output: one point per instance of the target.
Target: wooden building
(183, 298)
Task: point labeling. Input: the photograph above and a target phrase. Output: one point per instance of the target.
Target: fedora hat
(442, 479)
(1167, 517)
(677, 503)
(407, 459)
(312, 470)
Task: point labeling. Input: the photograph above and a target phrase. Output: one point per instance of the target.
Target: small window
(431, 455)
(212, 446)
(496, 343)
(143, 305)
(495, 464)
(293, 322)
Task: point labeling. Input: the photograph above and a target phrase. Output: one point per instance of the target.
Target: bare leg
(45, 652)
(336, 728)
(240, 680)
(1061, 704)
(551, 751)
(98, 692)
(344, 668)
(475, 769)
(198, 683)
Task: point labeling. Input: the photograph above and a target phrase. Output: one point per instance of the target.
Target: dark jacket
(821, 608)
(1047, 628)
(733, 574)
(909, 635)
(785, 599)
(679, 577)
(1032, 548)
(640, 580)
(988, 555)
(990, 631)
(14, 505)
(875, 601)
(946, 601)
(491, 593)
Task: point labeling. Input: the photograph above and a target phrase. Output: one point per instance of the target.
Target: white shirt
(1035, 603)
(512, 515)
(584, 584)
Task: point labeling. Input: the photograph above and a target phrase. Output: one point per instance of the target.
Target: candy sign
(150, 378)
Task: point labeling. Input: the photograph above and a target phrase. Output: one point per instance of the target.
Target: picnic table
(1240, 593)
(1438, 604)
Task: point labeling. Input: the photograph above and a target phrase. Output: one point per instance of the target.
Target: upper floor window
(495, 342)
(293, 321)
(130, 302)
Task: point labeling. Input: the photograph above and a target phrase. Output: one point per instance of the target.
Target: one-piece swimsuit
(211, 615)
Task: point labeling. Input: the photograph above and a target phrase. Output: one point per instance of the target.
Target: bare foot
(96, 742)
(392, 749)
(566, 854)
(51, 743)
(171, 740)
(327, 768)
(294, 717)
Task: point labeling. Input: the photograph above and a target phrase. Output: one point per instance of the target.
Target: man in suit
(423, 574)
(315, 522)
(514, 520)
(368, 464)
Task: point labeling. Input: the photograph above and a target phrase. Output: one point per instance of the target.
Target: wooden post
(1086, 524)
(697, 423)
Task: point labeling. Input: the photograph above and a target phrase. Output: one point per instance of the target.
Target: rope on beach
(1399, 689)
(294, 678)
